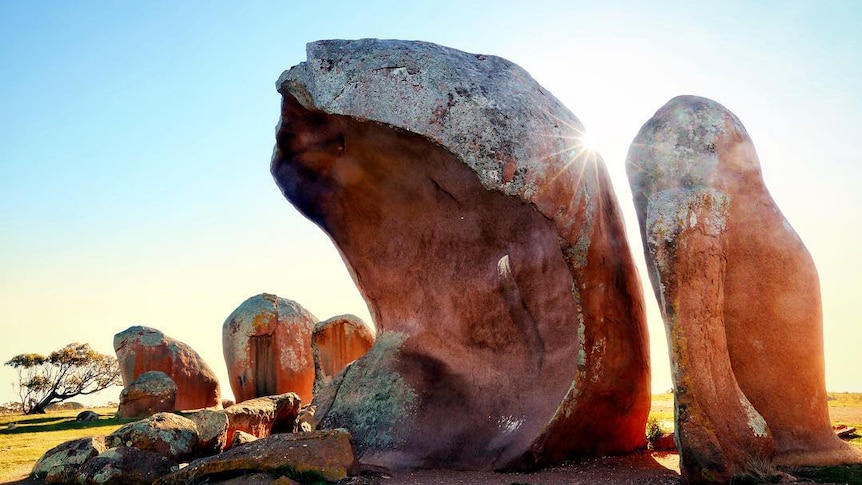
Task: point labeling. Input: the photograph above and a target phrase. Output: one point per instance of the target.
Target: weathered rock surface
(263, 416)
(739, 295)
(326, 452)
(152, 392)
(267, 348)
(61, 463)
(142, 349)
(489, 247)
(125, 466)
(212, 427)
(241, 438)
(166, 434)
(337, 342)
(87, 416)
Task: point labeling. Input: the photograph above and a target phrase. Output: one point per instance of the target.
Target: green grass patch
(848, 474)
(24, 439)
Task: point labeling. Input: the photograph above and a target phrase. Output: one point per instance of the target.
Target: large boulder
(489, 247)
(166, 434)
(337, 342)
(267, 348)
(124, 466)
(739, 294)
(212, 428)
(263, 416)
(143, 349)
(152, 392)
(61, 463)
(328, 453)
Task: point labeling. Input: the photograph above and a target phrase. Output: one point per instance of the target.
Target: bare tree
(74, 370)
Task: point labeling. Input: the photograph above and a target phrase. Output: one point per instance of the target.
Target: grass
(32, 436)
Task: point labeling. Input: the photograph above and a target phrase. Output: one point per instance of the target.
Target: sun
(589, 142)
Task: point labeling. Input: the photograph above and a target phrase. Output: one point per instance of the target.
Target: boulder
(255, 479)
(60, 464)
(212, 429)
(337, 342)
(143, 349)
(267, 348)
(327, 453)
(241, 438)
(739, 294)
(263, 416)
(489, 247)
(152, 392)
(166, 434)
(125, 466)
(87, 416)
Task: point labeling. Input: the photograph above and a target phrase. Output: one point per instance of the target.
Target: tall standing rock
(142, 349)
(489, 247)
(267, 348)
(337, 342)
(739, 294)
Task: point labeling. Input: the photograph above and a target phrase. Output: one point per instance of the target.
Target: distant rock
(61, 463)
(166, 434)
(489, 247)
(739, 294)
(125, 466)
(143, 349)
(87, 416)
(328, 453)
(267, 348)
(152, 392)
(264, 416)
(241, 437)
(337, 342)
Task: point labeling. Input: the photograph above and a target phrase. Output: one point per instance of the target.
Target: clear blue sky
(135, 141)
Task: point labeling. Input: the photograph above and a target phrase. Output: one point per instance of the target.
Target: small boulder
(152, 392)
(663, 443)
(125, 466)
(263, 416)
(166, 434)
(337, 342)
(241, 438)
(328, 453)
(60, 464)
(87, 416)
(212, 431)
(267, 348)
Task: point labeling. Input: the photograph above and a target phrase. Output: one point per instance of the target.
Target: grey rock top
(486, 110)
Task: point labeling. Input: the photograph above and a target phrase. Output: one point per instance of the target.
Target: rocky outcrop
(61, 463)
(166, 434)
(87, 416)
(267, 348)
(739, 294)
(489, 247)
(337, 342)
(125, 466)
(143, 349)
(152, 392)
(263, 416)
(328, 453)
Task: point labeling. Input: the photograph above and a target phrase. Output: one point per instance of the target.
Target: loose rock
(166, 434)
(263, 416)
(125, 466)
(152, 392)
(61, 463)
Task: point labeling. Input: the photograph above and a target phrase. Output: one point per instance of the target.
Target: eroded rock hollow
(489, 247)
(739, 294)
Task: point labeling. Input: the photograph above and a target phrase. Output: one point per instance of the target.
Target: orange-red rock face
(143, 349)
(739, 294)
(267, 348)
(337, 342)
(490, 251)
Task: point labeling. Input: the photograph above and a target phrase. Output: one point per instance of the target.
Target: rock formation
(739, 294)
(489, 247)
(61, 463)
(267, 348)
(263, 416)
(152, 392)
(337, 342)
(142, 349)
(167, 434)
